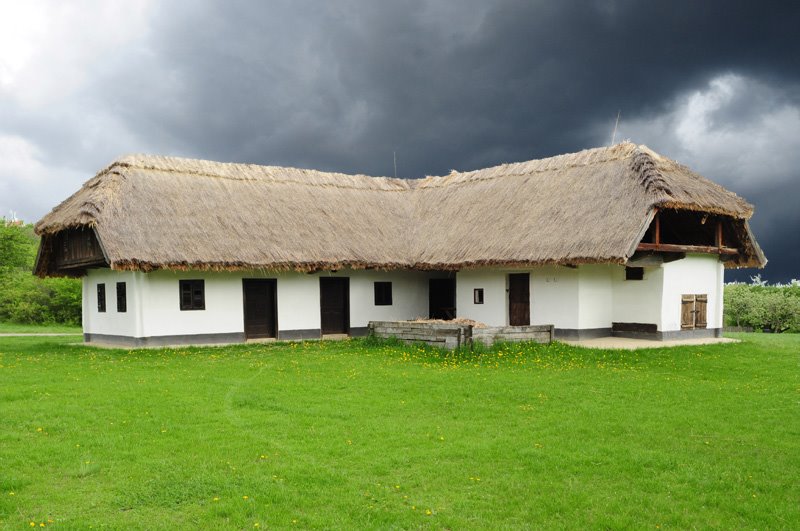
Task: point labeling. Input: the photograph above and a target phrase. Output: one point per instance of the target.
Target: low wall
(443, 335)
(454, 335)
(493, 334)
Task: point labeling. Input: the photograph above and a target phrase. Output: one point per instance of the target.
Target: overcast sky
(462, 84)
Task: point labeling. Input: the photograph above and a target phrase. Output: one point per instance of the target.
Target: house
(607, 241)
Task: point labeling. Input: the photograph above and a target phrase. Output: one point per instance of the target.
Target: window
(694, 311)
(193, 295)
(634, 273)
(383, 294)
(477, 295)
(122, 299)
(101, 297)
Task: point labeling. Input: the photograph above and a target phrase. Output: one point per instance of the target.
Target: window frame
(122, 297)
(194, 286)
(634, 273)
(478, 296)
(101, 297)
(383, 293)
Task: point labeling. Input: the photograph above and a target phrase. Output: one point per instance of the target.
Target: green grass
(352, 435)
(18, 328)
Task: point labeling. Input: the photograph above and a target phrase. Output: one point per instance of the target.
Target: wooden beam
(673, 248)
(719, 234)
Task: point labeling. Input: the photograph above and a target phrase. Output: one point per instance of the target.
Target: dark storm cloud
(341, 85)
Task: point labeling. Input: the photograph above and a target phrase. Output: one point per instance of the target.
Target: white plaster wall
(494, 310)
(162, 315)
(637, 301)
(409, 296)
(154, 301)
(298, 300)
(595, 296)
(555, 297)
(554, 293)
(111, 322)
(588, 297)
(694, 274)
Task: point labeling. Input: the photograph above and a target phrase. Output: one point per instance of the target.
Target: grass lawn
(348, 435)
(17, 328)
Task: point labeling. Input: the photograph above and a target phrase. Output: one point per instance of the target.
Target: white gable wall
(695, 274)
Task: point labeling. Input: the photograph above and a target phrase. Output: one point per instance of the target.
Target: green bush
(25, 298)
(761, 306)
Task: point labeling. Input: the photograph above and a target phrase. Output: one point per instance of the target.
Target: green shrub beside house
(25, 298)
(773, 308)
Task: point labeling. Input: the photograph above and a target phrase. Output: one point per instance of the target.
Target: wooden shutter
(701, 311)
(687, 311)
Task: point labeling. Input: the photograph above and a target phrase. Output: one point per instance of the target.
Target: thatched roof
(153, 212)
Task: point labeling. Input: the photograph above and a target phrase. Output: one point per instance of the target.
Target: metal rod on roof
(614, 135)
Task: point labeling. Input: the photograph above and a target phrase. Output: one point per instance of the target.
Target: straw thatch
(153, 212)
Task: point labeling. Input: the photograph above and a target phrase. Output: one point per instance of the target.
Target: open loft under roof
(606, 205)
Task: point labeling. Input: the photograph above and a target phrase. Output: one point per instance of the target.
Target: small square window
(122, 298)
(634, 273)
(101, 298)
(193, 294)
(383, 294)
(477, 296)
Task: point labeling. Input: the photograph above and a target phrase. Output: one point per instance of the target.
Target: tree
(781, 311)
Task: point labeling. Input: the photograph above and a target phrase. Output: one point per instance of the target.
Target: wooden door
(442, 298)
(519, 299)
(694, 311)
(334, 302)
(260, 307)
(701, 311)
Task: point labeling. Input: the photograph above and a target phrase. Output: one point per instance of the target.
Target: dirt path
(632, 344)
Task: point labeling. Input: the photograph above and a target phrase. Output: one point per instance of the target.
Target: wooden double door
(694, 311)
(260, 307)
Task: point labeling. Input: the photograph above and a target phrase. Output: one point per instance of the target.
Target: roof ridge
(584, 157)
(266, 172)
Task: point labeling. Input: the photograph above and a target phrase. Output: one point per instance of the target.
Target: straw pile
(152, 212)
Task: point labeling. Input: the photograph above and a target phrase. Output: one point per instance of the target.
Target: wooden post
(719, 233)
(657, 235)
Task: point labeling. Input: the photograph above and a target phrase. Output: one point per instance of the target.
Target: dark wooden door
(334, 302)
(519, 299)
(442, 298)
(260, 307)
